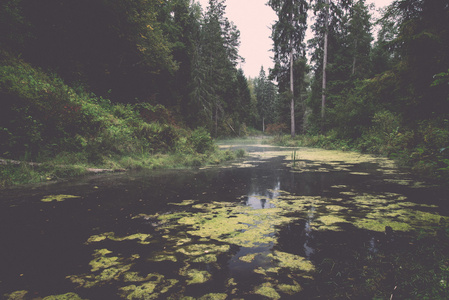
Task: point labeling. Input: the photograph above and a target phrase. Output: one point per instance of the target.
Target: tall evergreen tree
(288, 35)
(216, 56)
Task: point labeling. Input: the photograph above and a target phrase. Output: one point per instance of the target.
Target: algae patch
(58, 198)
(104, 269)
(196, 276)
(249, 257)
(267, 290)
(292, 261)
(68, 296)
(17, 295)
(148, 290)
(141, 237)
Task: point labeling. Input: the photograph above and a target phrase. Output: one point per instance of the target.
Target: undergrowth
(67, 130)
(424, 148)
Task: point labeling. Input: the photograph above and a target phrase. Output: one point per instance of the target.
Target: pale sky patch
(254, 20)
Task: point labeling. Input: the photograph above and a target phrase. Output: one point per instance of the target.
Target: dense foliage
(389, 96)
(117, 83)
(110, 78)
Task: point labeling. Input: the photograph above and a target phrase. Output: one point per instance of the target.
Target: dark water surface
(326, 225)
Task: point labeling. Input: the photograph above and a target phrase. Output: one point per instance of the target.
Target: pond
(283, 223)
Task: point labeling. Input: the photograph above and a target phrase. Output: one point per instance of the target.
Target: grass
(73, 165)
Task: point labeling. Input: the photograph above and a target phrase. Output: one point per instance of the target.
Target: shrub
(386, 136)
(201, 140)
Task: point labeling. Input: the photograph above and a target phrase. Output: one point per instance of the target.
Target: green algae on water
(148, 290)
(292, 261)
(135, 277)
(164, 257)
(184, 203)
(142, 237)
(290, 289)
(202, 249)
(17, 295)
(68, 296)
(249, 257)
(195, 276)
(380, 224)
(214, 296)
(104, 269)
(58, 198)
(267, 290)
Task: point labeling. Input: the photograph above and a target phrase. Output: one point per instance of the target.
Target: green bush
(386, 136)
(201, 140)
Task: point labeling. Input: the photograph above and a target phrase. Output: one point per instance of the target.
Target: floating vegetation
(68, 296)
(202, 249)
(290, 289)
(104, 269)
(164, 257)
(58, 198)
(184, 203)
(292, 261)
(190, 245)
(249, 257)
(329, 222)
(142, 237)
(267, 290)
(195, 276)
(17, 295)
(149, 290)
(359, 173)
(214, 296)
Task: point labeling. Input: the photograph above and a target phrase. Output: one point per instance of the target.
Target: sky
(254, 19)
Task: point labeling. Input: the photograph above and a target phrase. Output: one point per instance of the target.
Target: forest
(122, 84)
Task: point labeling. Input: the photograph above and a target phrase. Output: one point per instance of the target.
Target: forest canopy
(73, 72)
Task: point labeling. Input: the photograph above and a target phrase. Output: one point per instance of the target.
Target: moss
(58, 198)
(68, 296)
(267, 290)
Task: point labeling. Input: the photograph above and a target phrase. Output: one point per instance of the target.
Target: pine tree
(288, 35)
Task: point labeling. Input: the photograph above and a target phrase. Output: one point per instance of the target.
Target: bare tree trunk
(216, 120)
(263, 124)
(292, 108)
(354, 59)
(323, 97)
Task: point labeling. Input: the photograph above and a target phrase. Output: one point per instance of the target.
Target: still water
(283, 223)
